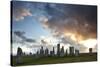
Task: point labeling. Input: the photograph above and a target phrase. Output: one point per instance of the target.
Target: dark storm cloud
(23, 37)
(77, 19)
(30, 40)
(20, 34)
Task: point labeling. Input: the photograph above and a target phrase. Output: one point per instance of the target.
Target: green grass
(30, 60)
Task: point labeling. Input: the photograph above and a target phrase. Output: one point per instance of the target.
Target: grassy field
(30, 60)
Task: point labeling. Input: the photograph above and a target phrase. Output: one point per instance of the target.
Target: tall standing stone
(46, 52)
(53, 51)
(41, 51)
(66, 52)
(71, 49)
(58, 49)
(62, 51)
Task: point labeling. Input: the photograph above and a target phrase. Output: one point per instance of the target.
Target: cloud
(16, 38)
(67, 40)
(21, 35)
(61, 18)
(44, 42)
(21, 13)
(30, 40)
(76, 20)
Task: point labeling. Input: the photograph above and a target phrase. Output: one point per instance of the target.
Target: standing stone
(76, 52)
(37, 54)
(58, 49)
(71, 49)
(19, 55)
(90, 51)
(30, 54)
(66, 52)
(62, 51)
(53, 51)
(41, 51)
(46, 52)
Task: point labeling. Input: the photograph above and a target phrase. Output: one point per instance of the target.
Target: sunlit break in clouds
(37, 24)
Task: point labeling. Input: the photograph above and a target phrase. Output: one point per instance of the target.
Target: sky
(36, 24)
